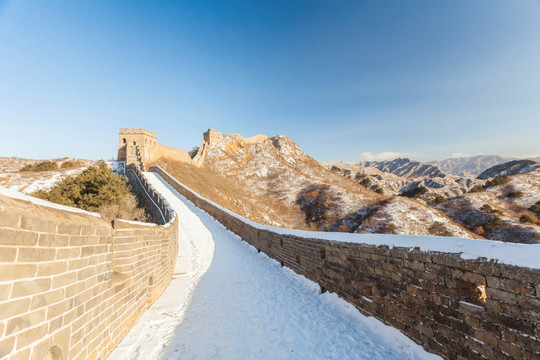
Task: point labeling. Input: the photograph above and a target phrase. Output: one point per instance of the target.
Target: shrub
(489, 210)
(347, 173)
(317, 201)
(127, 209)
(414, 192)
(514, 194)
(67, 164)
(365, 182)
(525, 219)
(193, 152)
(499, 180)
(478, 188)
(96, 189)
(360, 176)
(536, 209)
(492, 222)
(40, 166)
(439, 199)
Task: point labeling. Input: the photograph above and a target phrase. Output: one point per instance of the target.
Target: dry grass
(229, 194)
(127, 210)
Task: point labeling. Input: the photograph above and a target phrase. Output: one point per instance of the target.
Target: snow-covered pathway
(238, 304)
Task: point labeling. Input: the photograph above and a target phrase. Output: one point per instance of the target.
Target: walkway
(235, 303)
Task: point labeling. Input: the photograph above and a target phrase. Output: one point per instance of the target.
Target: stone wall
(155, 204)
(71, 285)
(142, 143)
(434, 298)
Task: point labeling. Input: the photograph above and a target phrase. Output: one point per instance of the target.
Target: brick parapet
(70, 282)
(432, 297)
(154, 203)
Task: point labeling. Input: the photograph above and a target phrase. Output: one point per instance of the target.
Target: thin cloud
(385, 155)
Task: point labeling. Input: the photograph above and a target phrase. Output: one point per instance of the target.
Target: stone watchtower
(212, 136)
(130, 138)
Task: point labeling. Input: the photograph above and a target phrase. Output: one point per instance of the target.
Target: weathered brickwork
(72, 285)
(434, 298)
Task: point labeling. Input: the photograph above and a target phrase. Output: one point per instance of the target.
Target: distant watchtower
(211, 136)
(130, 138)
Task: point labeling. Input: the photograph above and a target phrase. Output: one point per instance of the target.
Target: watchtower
(130, 138)
(211, 136)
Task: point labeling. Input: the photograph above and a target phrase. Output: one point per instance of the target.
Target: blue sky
(346, 80)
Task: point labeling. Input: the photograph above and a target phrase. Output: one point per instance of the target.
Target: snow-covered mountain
(404, 167)
(510, 168)
(506, 210)
(470, 166)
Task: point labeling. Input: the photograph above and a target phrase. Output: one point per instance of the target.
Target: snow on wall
(456, 297)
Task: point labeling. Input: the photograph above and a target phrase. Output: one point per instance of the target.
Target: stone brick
(29, 336)
(21, 355)
(9, 220)
(64, 279)
(77, 264)
(5, 290)
(36, 254)
(501, 296)
(468, 276)
(46, 299)
(23, 322)
(30, 287)
(87, 251)
(55, 324)
(40, 225)
(6, 346)
(511, 350)
(52, 268)
(17, 237)
(69, 253)
(51, 240)
(53, 311)
(17, 271)
(15, 308)
(8, 254)
(69, 229)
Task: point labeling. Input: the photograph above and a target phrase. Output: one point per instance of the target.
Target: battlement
(135, 131)
(211, 136)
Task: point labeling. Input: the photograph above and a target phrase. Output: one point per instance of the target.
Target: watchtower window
(125, 141)
(134, 143)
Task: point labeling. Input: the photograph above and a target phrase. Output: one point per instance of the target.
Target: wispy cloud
(459, 155)
(385, 155)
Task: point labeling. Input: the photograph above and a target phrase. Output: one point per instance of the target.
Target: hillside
(470, 166)
(502, 212)
(38, 177)
(404, 168)
(392, 184)
(272, 181)
(499, 210)
(510, 168)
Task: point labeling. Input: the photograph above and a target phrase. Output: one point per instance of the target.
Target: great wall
(72, 285)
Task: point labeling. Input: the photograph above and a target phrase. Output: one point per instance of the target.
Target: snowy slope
(235, 303)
